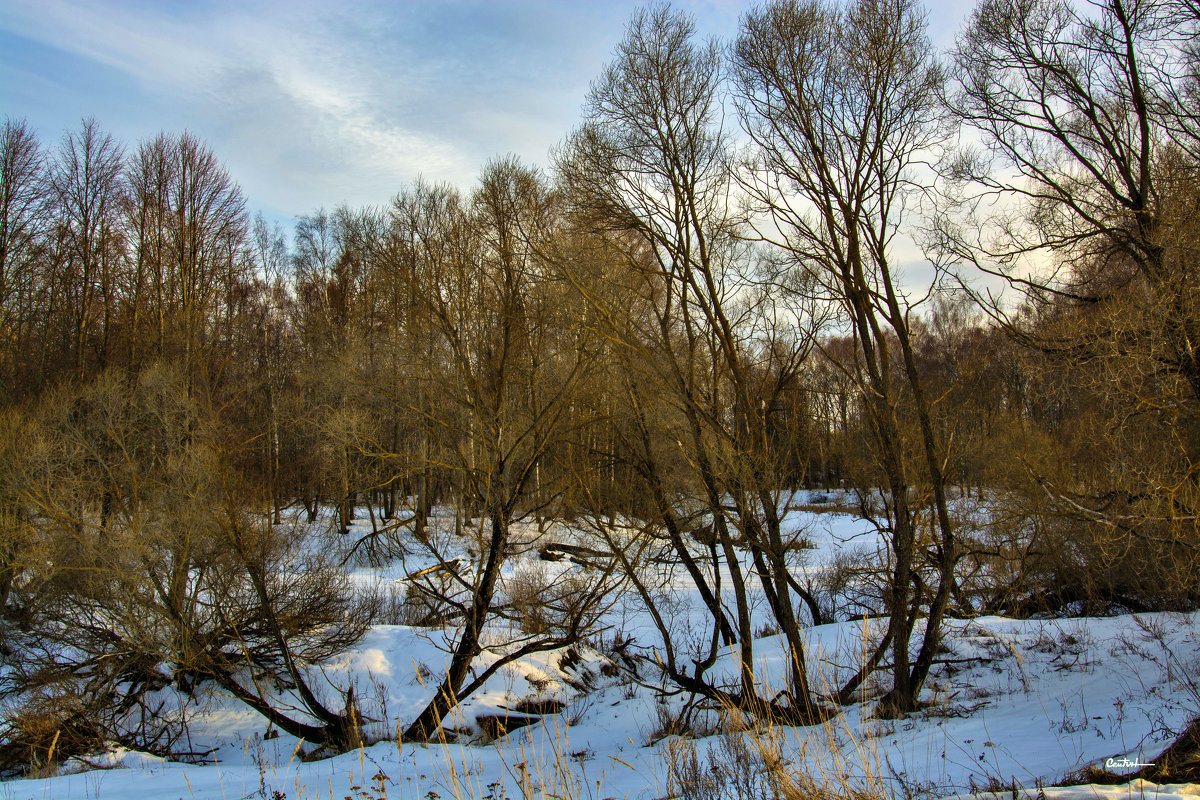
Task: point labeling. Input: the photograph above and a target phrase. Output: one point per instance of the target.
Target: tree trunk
(425, 726)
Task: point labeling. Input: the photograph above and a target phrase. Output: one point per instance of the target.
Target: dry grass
(44, 733)
(751, 761)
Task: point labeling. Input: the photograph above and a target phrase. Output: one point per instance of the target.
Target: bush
(542, 604)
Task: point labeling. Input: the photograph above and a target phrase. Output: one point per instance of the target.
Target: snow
(1011, 702)
(1134, 790)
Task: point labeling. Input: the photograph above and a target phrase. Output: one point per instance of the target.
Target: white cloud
(292, 108)
(318, 103)
(154, 49)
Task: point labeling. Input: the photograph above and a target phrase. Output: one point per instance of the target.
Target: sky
(313, 104)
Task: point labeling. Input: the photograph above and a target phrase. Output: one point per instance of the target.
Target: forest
(821, 268)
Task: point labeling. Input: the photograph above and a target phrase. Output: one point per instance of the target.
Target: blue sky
(313, 104)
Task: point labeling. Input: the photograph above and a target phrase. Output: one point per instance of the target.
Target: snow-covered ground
(1022, 703)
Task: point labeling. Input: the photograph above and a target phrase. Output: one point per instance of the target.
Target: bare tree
(840, 103)
(505, 372)
(23, 211)
(275, 351)
(1081, 196)
(1080, 193)
(149, 176)
(85, 181)
(650, 170)
(186, 232)
(181, 582)
(1076, 108)
(23, 198)
(207, 241)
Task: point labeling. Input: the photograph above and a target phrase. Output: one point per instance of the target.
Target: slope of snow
(1011, 702)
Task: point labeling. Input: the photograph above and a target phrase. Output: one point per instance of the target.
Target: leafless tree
(85, 182)
(840, 103)
(1081, 195)
(505, 367)
(23, 210)
(181, 582)
(1076, 108)
(650, 169)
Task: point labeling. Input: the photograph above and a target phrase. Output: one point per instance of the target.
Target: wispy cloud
(318, 103)
(306, 108)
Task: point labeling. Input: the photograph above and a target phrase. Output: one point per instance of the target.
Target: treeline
(696, 312)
